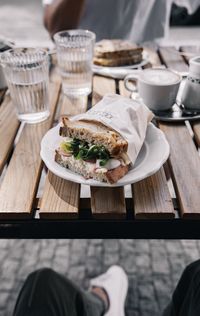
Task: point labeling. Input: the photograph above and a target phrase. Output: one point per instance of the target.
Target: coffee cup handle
(128, 78)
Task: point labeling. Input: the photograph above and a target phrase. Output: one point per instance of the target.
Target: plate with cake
(113, 56)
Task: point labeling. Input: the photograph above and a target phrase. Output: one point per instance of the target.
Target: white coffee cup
(191, 93)
(157, 87)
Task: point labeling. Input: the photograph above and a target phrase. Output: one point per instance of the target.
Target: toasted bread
(81, 167)
(116, 48)
(118, 61)
(95, 133)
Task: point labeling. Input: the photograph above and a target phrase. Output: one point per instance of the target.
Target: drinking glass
(75, 55)
(27, 74)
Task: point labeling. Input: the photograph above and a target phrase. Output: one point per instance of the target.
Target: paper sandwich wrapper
(126, 116)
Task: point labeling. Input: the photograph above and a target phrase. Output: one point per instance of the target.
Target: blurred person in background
(135, 20)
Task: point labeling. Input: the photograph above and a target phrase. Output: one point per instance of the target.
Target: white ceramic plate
(152, 156)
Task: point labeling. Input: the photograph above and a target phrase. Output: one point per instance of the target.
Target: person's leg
(47, 293)
(186, 297)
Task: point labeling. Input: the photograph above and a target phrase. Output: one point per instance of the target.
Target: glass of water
(27, 74)
(75, 56)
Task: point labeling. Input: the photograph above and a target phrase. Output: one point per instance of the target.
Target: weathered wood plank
(185, 167)
(21, 180)
(123, 90)
(152, 55)
(60, 198)
(172, 59)
(9, 125)
(2, 94)
(101, 86)
(196, 130)
(152, 199)
(151, 196)
(184, 160)
(191, 50)
(106, 202)
(72, 106)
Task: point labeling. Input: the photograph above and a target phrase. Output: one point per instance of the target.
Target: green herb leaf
(102, 163)
(82, 150)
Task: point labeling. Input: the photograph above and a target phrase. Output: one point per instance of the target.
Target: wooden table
(36, 203)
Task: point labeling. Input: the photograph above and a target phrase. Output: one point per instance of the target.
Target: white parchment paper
(126, 116)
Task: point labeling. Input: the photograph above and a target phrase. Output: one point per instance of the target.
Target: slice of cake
(117, 53)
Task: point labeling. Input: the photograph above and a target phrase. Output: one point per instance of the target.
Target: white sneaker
(115, 283)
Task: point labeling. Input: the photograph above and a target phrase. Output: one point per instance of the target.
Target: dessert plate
(152, 156)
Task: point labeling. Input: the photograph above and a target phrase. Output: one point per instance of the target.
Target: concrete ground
(153, 267)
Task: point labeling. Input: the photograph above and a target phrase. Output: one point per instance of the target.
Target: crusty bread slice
(80, 167)
(95, 133)
(118, 61)
(116, 48)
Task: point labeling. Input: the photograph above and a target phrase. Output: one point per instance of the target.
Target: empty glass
(27, 74)
(75, 55)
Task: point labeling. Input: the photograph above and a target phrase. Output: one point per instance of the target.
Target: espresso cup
(191, 93)
(157, 87)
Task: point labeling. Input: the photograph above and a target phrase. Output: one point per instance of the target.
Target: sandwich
(92, 150)
(117, 53)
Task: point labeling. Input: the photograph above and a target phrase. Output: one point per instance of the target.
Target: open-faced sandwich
(117, 53)
(93, 150)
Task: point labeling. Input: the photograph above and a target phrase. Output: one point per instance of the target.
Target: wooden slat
(9, 125)
(173, 59)
(123, 90)
(73, 106)
(184, 159)
(154, 60)
(106, 202)
(20, 183)
(2, 94)
(101, 86)
(152, 198)
(193, 50)
(60, 198)
(185, 167)
(196, 130)
(54, 75)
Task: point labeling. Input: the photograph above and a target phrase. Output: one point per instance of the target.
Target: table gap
(2, 94)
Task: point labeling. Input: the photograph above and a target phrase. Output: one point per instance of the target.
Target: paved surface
(153, 267)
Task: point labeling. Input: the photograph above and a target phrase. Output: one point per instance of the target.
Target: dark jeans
(47, 293)
(186, 297)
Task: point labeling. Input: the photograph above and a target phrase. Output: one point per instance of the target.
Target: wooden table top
(29, 193)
